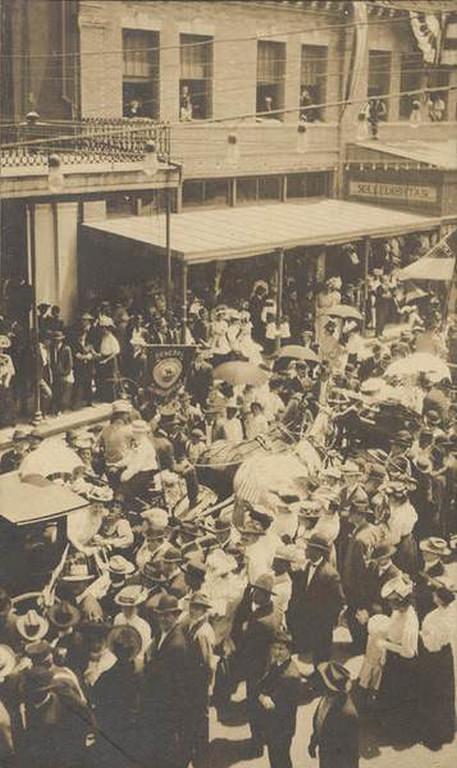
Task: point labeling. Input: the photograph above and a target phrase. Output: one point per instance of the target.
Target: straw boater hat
(435, 546)
(121, 406)
(120, 566)
(32, 626)
(320, 542)
(131, 596)
(201, 600)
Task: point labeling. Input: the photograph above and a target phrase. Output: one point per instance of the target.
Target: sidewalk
(52, 425)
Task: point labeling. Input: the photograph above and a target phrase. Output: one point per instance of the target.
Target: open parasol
(419, 362)
(297, 352)
(52, 457)
(239, 372)
(344, 311)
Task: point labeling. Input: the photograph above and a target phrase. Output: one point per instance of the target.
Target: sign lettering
(386, 191)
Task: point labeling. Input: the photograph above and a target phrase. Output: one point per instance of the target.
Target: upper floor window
(379, 69)
(271, 69)
(140, 73)
(196, 77)
(313, 82)
(410, 80)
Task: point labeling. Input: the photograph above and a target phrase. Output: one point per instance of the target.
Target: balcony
(92, 141)
(215, 150)
(425, 131)
(96, 156)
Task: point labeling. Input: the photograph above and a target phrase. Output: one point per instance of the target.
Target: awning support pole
(184, 304)
(168, 245)
(35, 329)
(366, 266)
(279, 299)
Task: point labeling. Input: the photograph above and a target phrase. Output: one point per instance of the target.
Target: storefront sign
(386, 191)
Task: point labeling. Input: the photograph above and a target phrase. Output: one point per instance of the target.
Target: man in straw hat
(335, 736)
(255, 624)
(61, 366)
(434, 551)
(278, 694)
(316, 602)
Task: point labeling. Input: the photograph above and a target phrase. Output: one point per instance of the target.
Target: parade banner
(168, 364)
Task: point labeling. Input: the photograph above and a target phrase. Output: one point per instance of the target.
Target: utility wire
(138, 129)
(211, 41)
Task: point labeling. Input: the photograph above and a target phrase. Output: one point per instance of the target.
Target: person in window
(437, 108)
(185, 105)
(134, 109)
(376, 112)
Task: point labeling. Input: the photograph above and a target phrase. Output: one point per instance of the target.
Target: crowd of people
(151, 614)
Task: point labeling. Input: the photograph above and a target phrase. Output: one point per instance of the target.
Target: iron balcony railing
(92, 140)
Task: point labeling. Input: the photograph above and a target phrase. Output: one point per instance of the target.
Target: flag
(359, 50)
(449, 44)
(167, 366)
(426, 28)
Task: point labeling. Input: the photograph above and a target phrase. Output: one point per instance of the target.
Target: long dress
(399, 700)
(437, 677)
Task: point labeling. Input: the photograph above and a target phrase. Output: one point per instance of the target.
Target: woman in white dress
(437, 668)
(399, 697)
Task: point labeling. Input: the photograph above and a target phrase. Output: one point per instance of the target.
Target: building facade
(263, 100)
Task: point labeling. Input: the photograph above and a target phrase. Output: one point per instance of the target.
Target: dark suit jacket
(253, 634)
(375, 582)
(168, 680)
(314, 609)
(284, 685)
(359, 548)
(338, 736)
(423, 592)
(60, 361)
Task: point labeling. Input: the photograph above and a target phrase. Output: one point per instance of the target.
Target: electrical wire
(290, 110)
(213, 41)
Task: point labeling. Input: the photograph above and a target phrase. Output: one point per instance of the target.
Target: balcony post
(279, 298)
(184, 303)
(168, 244)
(35, 329)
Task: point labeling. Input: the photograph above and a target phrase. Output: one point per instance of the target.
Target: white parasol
(52, 457)
(419, 362)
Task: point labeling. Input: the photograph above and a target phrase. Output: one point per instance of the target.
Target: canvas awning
(33, 501)
(428, 269)
(241, 232)
(435, 154)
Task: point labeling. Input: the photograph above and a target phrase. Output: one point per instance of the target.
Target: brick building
(249, 66)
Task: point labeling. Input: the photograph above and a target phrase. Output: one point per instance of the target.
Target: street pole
(184, 303)
(168, 245)
(35, 329)
(279, 299)
(366, 264)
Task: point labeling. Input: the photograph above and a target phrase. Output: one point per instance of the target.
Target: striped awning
(241, 232)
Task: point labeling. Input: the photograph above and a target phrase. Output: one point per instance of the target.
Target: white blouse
(438, 628)
(403, 633)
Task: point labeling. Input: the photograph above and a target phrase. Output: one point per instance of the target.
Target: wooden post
(366, 261)
(184, 303)
(35, 330)
(279, 298)
(168, 245)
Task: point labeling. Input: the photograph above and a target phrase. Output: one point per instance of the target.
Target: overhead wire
(210, 121)
(213, 41)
